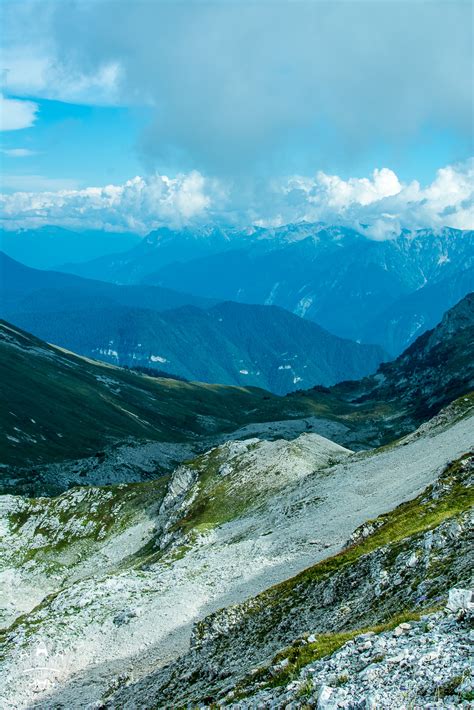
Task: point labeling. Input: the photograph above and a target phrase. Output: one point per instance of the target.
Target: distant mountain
(61, 406)
(337, 278)
(410, 316)
(353, 286)
(160, 248)
(46, 247)
(33, 290)
(436, 369)
(231, 343)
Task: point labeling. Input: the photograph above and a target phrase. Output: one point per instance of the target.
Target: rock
(371, 702)
(312, 638)
(324, 697)
(460, 600)
(124, 617)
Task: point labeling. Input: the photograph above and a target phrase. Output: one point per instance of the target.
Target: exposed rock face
(351, 592)
(424, 663)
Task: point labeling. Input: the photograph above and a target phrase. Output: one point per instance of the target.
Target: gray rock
(460, 600)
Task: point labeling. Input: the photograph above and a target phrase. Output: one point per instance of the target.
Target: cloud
(18, 152)
(138, 205)
(237, 87)
(379, 205)
(16, 114)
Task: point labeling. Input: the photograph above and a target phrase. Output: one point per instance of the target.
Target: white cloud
(18, 152)
(379, 205)
(16, 114)
(139, 204)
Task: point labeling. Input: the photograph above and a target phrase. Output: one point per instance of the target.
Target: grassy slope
(58, 405)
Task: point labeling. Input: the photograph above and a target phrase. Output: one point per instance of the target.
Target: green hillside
(57, 405)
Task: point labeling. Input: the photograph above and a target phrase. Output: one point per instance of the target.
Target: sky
(129, 114)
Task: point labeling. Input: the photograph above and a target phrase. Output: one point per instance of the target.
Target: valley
(216, 538)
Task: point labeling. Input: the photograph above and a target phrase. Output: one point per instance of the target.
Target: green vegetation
(68, 528)
(301, 654)
(62, 406)
(219, 498)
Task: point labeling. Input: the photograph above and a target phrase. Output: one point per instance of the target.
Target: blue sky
(75, 144)
(247, 95)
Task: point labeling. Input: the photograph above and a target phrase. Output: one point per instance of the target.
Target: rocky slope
(229, 525)
(394, 569)
(434, 370)
(423, 663)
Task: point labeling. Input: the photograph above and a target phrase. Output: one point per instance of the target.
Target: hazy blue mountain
(159, 248)
(231, 343)
(410, 316)
(353, 286)
(25, 289)
(335, 277)
(46, 247)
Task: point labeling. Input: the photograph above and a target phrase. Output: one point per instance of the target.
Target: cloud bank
(380, 205)
(239, 87)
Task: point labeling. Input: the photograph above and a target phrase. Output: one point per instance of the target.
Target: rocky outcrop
(422, 664)
(388, 572)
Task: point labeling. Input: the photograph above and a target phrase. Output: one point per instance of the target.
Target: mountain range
(62, 406)
(385, 292)
(151, 326)
(47, 247)
(241, 553)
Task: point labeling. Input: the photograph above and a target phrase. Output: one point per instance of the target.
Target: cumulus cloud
(379, 205)
(16, 114)
(138, 205)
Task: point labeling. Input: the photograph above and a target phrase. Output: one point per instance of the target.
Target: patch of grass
(219, 498)
(449, 687)
(301, 654)
(305, 689)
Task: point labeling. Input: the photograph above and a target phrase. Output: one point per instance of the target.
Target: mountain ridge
(231, 343)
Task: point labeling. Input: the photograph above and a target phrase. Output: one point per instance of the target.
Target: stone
(460, 600)
(324, 697)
